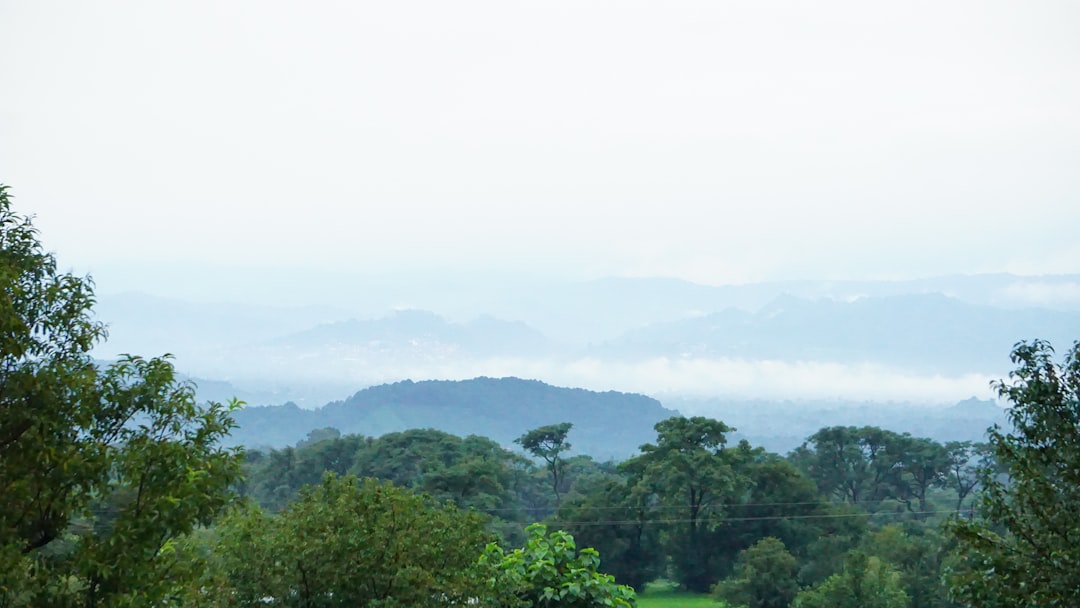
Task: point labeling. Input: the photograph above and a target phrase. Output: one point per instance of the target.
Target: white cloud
(765, 379)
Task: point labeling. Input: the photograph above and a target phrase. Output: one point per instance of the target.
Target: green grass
(661, 594)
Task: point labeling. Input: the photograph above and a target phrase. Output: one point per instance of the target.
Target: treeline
(690, 507)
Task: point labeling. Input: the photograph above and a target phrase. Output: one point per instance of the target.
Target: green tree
(865, 582)
(780, 502)
(101, 470)
(855, 464)
(923, 465)
(471, 472)
(549, 572)
(764, 577)
(548, 443)
(919, 554)
(966, 460)
(693, 474)
(1024, 547)
(615, 514)
(347, 542)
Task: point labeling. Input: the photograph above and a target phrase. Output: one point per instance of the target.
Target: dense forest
(118, 488)
(689, 507)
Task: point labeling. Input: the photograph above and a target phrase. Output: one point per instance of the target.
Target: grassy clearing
(662, 594)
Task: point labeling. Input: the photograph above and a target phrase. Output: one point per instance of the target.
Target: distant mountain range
(607, 425)
(421, 330)
(944, 337)
(927, 333)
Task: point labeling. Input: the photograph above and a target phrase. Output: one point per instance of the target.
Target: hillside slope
(606, 424)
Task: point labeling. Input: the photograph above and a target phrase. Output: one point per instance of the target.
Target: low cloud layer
(736, 378)
(1045, 294)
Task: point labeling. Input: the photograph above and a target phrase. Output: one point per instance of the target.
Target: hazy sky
(714, 141)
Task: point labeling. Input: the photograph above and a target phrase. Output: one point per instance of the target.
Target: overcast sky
(713, 141)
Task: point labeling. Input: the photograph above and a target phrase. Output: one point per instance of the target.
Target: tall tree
(779, 502)
(693, 474)
(923, 464)
(966, 460)
(548, 443)
(101, 470)
(1023, 550)
(855, 464)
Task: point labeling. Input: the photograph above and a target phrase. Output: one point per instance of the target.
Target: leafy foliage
(919, 554)
(615, 515)
(549, 571)
(691, 471)
(764, 577)
(349, 542)
(1024, 547)
(471, 472)
(966, 460)
(548, 443)
(865, 582)
(854, 464)
(101, 471)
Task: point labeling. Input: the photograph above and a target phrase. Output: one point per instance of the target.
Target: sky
(712, 141)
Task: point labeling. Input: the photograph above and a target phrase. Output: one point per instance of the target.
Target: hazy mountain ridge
(929, 333)
(945, 336)
(606, 424)
(484, 335)
(151, 325)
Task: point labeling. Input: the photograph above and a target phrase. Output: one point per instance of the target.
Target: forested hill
(606, 425)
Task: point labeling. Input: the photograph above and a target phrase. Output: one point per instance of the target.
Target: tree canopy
(548, 443)
(102, 470)
(350, 542)
(1023, 547)
(549, 572)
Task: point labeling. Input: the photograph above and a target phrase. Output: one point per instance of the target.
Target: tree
(548, 443)
(615, 515)
(472, 472)
(693, 473)
(918, 553)
(781, 502)
(101, 470)
(549, 572)
(350, 542)
(865, 582)
(853, 464)
(923, 464)
(1023, 549)
(764, 577)
(966, 460)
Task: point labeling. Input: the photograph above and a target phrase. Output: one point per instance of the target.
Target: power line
(739, 519)
(719, 506)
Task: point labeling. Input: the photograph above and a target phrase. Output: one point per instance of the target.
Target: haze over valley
(761, 354)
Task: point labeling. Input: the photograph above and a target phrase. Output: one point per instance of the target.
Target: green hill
(606, 425)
